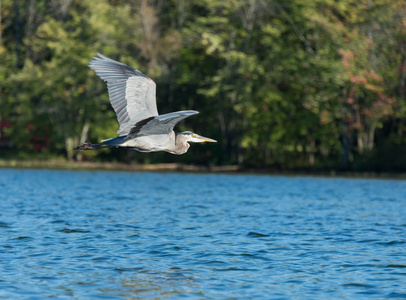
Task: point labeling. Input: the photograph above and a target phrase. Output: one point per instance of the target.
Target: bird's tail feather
(89, 146)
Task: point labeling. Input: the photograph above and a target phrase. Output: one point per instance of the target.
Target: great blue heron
(132, 95)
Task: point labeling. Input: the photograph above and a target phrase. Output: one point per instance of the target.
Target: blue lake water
(136, 235)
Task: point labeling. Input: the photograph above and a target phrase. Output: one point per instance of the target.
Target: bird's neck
(181, 145)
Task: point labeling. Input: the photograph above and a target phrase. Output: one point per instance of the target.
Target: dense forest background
(298, 84)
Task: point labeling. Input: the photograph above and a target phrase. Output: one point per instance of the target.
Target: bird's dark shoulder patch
(137, 127)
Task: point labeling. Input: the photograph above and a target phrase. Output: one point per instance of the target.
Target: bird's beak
(205, 139)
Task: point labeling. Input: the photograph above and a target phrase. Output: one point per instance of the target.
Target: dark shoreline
(177, 167)
(74, 165)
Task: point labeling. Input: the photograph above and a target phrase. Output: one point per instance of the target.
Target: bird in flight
(132, 96)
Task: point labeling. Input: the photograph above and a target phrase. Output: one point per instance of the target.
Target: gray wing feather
(162, 124)
(131, 93)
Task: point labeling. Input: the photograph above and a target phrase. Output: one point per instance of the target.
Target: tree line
(281, 84)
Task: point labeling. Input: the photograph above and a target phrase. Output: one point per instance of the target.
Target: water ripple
(118, 235)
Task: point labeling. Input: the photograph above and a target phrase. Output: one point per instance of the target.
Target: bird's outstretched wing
(131, 93)
(162, 124)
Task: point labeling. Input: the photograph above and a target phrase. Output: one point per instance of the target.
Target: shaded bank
(180, 167)
(62, 164)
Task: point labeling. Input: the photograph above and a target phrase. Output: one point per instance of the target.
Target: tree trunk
(149, 23)
(312, 147)
(83, 138)
(345, 134)
(17, 37)
(371, 136)
(70, 143)
(400, 92)
(0, 27)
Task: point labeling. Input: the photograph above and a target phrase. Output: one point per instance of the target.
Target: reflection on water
(121, 235)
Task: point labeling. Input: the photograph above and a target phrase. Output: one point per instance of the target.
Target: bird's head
(195, 138)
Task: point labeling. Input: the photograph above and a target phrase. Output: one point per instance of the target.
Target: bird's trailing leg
(89, 146)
